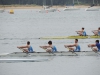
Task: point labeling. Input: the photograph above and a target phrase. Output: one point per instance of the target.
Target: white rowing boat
(71, 9)
(46, 8)
(60, 53)
(1, 10)
(92, 9)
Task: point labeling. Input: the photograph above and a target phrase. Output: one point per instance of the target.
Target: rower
(81, 32)
(70, 47)
(49, 47)
(97, 45)
(27, 48)
(96, 32)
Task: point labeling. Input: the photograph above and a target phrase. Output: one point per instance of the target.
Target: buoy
(58, 10)
(11, 11)
(47, 11)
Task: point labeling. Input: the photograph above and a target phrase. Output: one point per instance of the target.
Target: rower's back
(77, 46)
(99, 31)
(30, 49)
(54, 49)
(84, 32)
(98, 44)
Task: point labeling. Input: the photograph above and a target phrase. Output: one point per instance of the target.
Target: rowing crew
(52, 48)
(82, 32)
(48, 48)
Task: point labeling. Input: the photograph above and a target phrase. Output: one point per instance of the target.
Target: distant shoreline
(37, 7)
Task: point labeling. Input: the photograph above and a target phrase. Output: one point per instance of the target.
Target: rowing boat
(70, 37)
(77, 37)
(83, 37)
(92, 9)
(60, 53)
(54, 37)
(94, 36)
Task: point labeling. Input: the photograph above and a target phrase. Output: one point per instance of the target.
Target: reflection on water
(21, 60)
(25, 59)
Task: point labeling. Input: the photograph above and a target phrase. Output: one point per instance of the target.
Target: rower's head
(97, 41)
(28, 42)
(76, 40)
(82, 28)
(50, 42)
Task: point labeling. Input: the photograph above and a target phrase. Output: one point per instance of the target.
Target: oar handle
(21, 49)
(68, 48)
(42, 47)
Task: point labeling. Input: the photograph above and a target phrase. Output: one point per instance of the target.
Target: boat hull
(83, 37)
(71, 9)
(21, 60)
(60, 53)
(47, 10)
(71, 37)
(1, 10)
(92, 9)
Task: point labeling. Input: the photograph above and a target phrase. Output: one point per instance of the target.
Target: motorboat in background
(46, 8)
(1, 10)
(71, 8)
(92, 7)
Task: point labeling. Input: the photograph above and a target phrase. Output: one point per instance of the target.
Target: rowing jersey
(30, 49)
(54, 49)
(98, 46)
(99, 32)
(77, 48)
(84, 33)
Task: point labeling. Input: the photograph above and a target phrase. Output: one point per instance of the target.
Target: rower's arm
(79, 31)
(70, 45)
(22, 46)
(44, 47)
(91, 45)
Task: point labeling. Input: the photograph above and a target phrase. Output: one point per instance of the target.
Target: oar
(71, 51)
(94, 51)
(43, 48)
(28, 54)
(23, 50)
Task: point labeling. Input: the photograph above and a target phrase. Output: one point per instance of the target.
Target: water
(29, 24)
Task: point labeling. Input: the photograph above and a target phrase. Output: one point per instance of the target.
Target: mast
(3, 4)
(97, 2)
(73, 2)
(93, 1)
(78, 2)
(44, 2)
(51, 3)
